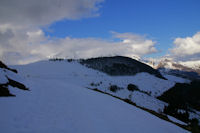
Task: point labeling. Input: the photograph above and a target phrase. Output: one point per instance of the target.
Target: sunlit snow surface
(3, 79)
(176, 120)
(59, 102)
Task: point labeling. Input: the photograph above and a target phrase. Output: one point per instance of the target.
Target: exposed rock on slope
(8, 78)
(2, 65)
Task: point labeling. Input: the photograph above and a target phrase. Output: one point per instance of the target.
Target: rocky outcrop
(8, 81)
(2, 65)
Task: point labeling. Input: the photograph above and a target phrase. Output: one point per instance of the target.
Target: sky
(37, 30)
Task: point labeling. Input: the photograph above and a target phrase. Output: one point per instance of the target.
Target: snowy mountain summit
(107, 94)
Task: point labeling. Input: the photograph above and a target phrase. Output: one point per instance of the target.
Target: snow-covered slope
(59, 101)
(75, 73)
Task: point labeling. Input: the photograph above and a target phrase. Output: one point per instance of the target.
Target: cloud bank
(22, 40)
(30, 46)
(186, 48)
(20, 33)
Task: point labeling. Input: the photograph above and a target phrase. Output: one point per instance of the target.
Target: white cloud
(30, 46)
(23, 41)
(137, 44)
(186, 48)
(20, 33)
(94, 47)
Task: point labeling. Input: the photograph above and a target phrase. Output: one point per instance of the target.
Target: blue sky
(37, 30)
(160, 20)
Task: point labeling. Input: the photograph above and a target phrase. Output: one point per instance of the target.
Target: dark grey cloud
(42, 12)
(5, 37)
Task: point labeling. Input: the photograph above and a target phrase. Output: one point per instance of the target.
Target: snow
(76, 73)
(59, 101)
(153, 85)
(176, 79)
(194, 115)
(176, 120)
(5, 74)
(169, 65)
(143, 100)
(191, 64)
(3, 79)
(86, 76)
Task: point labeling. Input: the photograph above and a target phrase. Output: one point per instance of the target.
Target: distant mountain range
(190, 70)
(191, 66)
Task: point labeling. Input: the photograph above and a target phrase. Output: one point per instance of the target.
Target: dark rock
(183, 95)
(132, 87)
(4, 91)
(2, 65)
(114, 88)
(173, 111)
(16, 84)
(56, 59)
